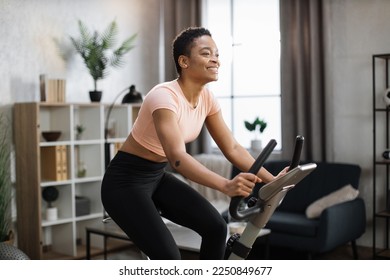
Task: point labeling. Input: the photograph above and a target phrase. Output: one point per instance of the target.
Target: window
(248, 38)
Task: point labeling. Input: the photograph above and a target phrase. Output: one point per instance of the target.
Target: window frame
(273, 130)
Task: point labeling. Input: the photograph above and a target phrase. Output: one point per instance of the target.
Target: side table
(186, 239)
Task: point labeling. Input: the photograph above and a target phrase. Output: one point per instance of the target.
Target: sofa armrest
(342, 223)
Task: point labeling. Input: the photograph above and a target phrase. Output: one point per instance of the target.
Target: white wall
(27, 47)
(356, 29)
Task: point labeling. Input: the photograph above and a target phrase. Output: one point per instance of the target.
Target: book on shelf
(52, 90)
(54, 164)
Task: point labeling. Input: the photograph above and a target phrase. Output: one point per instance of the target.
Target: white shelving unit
(40, 238)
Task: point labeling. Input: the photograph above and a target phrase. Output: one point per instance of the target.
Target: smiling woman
(171, 115)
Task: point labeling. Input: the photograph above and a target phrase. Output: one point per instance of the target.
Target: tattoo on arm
(177, 163)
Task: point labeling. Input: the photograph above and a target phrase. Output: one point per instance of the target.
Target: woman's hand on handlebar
(283, 172)
(241, 185)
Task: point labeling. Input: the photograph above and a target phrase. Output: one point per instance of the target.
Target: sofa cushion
(292, 223)
(346, 193)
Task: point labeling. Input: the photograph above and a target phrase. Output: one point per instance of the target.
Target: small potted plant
(257, 126)
(79, 131)
(50, 194)
(98, 52)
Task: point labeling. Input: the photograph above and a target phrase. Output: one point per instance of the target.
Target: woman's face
(203, 62)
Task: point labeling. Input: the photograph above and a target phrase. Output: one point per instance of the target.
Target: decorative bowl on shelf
(51, 135)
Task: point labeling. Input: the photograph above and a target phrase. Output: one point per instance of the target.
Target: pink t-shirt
(169, 96)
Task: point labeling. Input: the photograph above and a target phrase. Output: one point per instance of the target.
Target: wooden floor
(341, 253)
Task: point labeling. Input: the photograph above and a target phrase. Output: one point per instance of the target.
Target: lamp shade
(132, 96)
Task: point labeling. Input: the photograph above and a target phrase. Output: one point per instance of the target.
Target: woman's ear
(183, 61)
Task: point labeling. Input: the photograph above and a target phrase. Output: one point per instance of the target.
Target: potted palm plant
(257, 126)
(98, 52)
(5, 181)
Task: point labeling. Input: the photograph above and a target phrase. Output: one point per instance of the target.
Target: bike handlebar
(297, 152)
(235, 201)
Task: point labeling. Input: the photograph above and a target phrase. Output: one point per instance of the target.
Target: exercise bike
(260, 209)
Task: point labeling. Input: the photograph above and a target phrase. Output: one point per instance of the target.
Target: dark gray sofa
(337, 225)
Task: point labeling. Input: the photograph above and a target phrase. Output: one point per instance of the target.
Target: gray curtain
(178, 15)
(302, 77)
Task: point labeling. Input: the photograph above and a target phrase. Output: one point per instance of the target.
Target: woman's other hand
(282, 173)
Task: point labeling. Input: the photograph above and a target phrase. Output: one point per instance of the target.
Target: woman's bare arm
(233, 151)
(174, 147)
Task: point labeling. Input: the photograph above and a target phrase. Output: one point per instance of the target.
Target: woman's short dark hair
(183, 43)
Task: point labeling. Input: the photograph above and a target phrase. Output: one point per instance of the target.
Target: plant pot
(95, 95)
(51, 213)
(10, 238)
(256, 145)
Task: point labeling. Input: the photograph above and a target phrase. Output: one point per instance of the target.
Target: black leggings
(137, 192)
